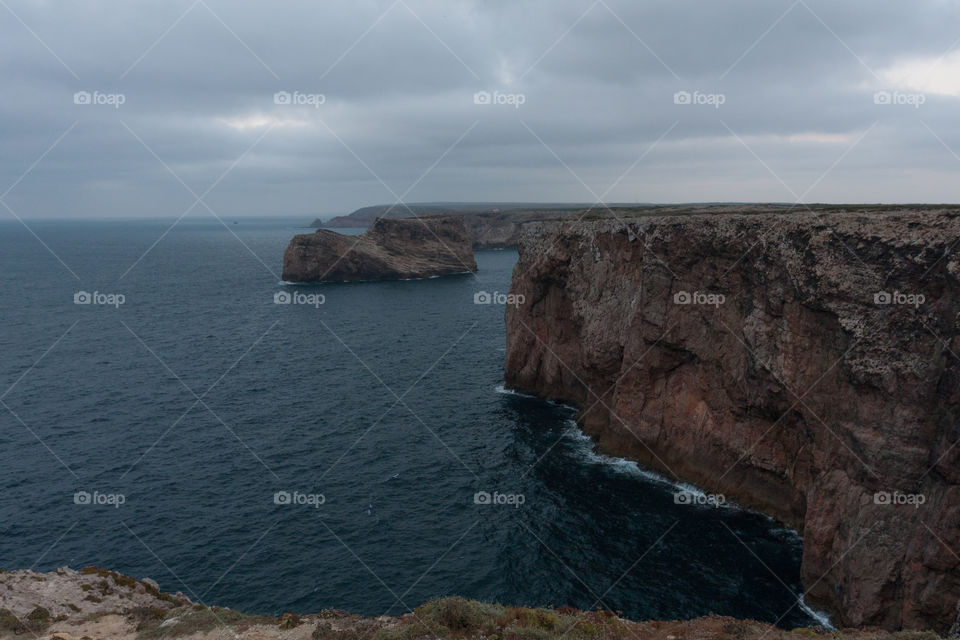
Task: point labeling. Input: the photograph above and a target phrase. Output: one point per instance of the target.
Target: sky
(315, 108)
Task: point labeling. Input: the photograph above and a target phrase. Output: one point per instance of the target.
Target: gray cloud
(598, 79)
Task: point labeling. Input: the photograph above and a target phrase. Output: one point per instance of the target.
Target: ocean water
(183, 416)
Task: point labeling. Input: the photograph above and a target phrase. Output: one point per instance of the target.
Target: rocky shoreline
(98, 604)
(802, 364)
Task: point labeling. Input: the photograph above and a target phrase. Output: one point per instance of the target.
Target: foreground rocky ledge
(96, 604)
(802, 364)
(391, 249)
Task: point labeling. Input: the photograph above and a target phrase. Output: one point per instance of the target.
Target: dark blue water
(198, 399)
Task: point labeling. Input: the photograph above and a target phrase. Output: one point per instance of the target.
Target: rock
(153, 584)
(798, 392)
(170, 621)
(66, 593)
(389, 250)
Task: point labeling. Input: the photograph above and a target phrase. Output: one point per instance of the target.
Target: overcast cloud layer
(613, 100)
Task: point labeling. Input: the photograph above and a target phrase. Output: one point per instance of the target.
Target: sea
(172, 409)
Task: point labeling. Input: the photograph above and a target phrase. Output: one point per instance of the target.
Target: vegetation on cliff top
(452, 618)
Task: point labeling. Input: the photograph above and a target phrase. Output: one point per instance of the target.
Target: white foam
(587, 450)
(510, 392)
(501, 388)
(822, 618)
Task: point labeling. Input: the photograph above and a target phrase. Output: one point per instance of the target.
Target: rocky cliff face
(805, 365)
(388, 250)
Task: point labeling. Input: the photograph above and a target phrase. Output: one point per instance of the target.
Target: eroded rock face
(391, 249)
(805, 392)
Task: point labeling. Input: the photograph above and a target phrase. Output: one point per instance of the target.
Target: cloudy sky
(307, 108)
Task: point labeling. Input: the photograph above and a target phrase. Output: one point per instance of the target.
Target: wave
(822, 618)
(501, 388)
(586, 449)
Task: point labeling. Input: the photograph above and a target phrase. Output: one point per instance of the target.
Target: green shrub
(191, 622)
(362, 630)
(8, 621)
(289, 621)
(39, 614)
(33, 623)
(455, 614)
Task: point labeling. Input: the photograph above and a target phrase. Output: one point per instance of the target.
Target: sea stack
(801, 364)
(391, 249)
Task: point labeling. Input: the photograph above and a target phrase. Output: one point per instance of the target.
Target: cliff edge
(95, 604)
(391, 249)
(803, 364)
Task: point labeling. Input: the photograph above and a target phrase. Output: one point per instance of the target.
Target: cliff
(803, 364)
(388, 250)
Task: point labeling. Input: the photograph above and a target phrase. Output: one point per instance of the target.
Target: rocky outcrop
(29, 599)
(388, 250)
(803, 364)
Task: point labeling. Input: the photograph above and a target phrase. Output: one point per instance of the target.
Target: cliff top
(55, 606)
(684, 210)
